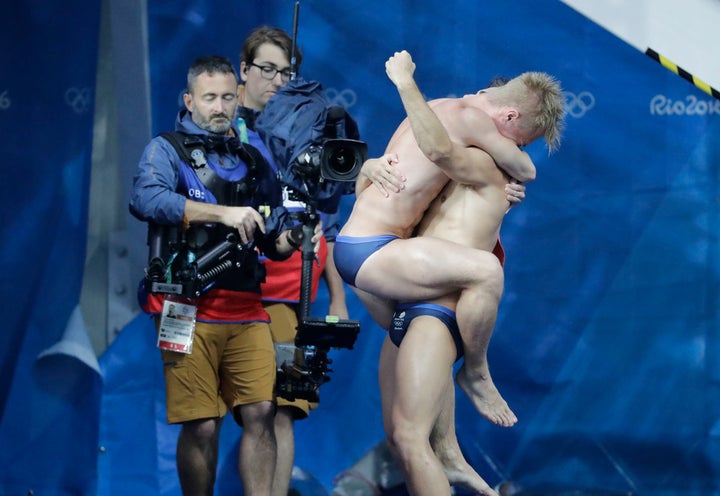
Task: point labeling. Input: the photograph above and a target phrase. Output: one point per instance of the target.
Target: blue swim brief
(350, 253)
(406, 312)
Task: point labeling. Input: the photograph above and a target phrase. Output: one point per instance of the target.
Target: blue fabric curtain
(50, 385)
(606, 344)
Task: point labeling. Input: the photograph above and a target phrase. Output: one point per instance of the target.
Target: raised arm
(434, 141)
(430, 134)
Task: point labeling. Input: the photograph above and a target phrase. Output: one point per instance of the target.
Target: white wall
(684, 31)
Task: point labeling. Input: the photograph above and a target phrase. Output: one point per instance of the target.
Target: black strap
(186, 145)
(192, 150)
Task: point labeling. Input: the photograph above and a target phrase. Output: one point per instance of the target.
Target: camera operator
(231, 360)
(264, 68)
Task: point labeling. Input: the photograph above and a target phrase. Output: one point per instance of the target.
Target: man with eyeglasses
(265, 68)
(265, 65)
(269, 72)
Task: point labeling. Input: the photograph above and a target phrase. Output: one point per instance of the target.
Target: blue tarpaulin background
(606, 345)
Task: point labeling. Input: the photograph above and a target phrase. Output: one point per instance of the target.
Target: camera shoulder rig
(192, 149)
(188, 262)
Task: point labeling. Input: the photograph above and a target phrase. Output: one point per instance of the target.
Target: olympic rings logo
(78, 99)
(4, 100)
(580, 104)
(345, 98)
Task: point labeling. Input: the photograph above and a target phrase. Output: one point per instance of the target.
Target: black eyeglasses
(269, 72)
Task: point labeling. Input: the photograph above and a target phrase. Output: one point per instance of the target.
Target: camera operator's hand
(317, 234)
(293, 238)
(382, 173)
(245, 219)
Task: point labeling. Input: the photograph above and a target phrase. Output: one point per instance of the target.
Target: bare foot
(463, 475)
(486, 398)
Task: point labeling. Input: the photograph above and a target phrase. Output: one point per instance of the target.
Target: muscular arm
(435, 142)
(430, 134)
(482, 132)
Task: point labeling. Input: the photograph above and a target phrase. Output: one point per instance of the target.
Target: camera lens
(342, 160)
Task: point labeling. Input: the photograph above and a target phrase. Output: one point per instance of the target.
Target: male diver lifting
(375, 252)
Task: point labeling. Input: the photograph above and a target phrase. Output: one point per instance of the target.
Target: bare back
(469, 215)
(374, 214)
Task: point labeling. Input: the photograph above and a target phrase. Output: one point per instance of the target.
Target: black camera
(303, 367)
(335, 160)
(314, 143)
(316, 147)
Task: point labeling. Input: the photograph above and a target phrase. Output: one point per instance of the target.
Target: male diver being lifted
(375, 252)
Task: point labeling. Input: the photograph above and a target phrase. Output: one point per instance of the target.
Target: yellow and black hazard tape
(683, 73)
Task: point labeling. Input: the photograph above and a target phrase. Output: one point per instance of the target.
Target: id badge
(177, 326)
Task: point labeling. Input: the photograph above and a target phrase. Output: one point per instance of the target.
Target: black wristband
(295, 232)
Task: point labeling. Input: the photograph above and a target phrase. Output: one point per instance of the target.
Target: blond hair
(538, 96)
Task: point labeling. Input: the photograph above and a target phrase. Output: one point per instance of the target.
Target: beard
(215, 123)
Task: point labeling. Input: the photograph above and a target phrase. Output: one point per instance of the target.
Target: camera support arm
(309, 221)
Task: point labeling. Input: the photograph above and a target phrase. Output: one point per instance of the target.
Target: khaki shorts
(283, 326)
(230, 365)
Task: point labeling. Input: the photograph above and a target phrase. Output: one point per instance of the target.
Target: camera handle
(309, 368)
(320, 333)
(309, 221)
